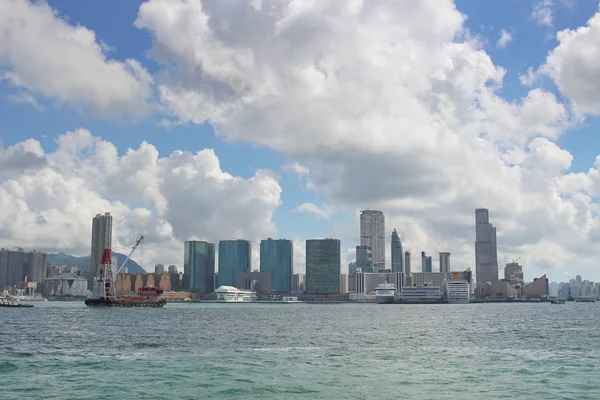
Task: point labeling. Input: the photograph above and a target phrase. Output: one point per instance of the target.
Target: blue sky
(425, 220)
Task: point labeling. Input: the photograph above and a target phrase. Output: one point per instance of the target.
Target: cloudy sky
(225, 119)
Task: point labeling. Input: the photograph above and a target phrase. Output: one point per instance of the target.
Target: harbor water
(64, 350)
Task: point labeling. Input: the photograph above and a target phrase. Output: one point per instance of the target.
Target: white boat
(457, 291)
(230, 294)
(385, 293)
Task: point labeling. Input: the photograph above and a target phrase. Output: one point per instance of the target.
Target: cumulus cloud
(504, 39)
(182, 196)
(574, 67)
(46, 55)
(322, 212)
(383, 110)
(24, 156)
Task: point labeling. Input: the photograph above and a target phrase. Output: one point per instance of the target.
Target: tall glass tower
(323, 266)
(486, 255)
(234, 256)
(372, 234)
(397, 253)
(277, 257)
(101, 240)
(199, 266)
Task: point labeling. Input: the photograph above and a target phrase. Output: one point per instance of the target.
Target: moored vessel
(457, 291)
(385, 293)
(103, 291)
(230, 294)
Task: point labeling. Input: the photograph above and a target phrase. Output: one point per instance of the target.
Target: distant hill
(82, 262)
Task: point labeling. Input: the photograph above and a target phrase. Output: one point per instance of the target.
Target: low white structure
(420, 293)
(65, 284)
(230, 294)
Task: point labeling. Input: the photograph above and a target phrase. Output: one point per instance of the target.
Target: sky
(212, 120)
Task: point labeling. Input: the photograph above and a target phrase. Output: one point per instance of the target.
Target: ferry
(385, 293)
(557, 300)
(230, 294)
(457, 291)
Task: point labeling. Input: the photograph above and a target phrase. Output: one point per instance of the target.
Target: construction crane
(130, 253)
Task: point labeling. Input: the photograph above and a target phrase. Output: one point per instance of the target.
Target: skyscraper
(407, 268)
(323, 266)
(423, 261)
(198, 266)
(277, 257)
(17, 265)
(101, 239)
(444, 261)
(397, 253)
(428, 264)
(364, 258)
(486, 257)
(372, 234)
(234, 256)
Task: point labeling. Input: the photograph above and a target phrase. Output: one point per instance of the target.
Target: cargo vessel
(103, 291)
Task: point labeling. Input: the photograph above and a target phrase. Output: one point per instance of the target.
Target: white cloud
(46, 55)
(25, 98)
(384, 113)
(179, 197)
(322, 212)
(529, 78)
(542, 12)
(505, 39)
(574, 67)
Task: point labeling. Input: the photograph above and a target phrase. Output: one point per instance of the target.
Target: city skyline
(269, 147)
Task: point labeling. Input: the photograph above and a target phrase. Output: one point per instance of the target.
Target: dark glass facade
(199, 266)
(323, 266)
(277, 258)
(397, 253)
(234, 256)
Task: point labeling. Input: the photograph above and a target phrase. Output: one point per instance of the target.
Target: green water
(301, 351)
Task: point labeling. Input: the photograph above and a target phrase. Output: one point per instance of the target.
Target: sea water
(64, 350)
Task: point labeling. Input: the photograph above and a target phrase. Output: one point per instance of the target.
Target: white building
(372, 234)
(65, 284)
(424, 293)
(101, 240)
(366, 282)
(486, 255)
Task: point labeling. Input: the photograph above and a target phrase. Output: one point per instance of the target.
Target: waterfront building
(426, 265)
(444, 261)
(439, 278)
(323, 266)
(421, 294)
(18, 266)
(397, 253)
(513, 273)
(159, 269)
(372, 234)
(407, 271)
(101, 240)
(65, 284)
(260, 282)
(234, 256)
(537, 288)
(366, 282)
(199, 266)
(298, 282)
(486, 257)
(364, 258)
(343, 283)
(173, 269)
(277, 258)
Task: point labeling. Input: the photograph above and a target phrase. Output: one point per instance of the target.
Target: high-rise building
(298, 282)
(323, 266)
(372, 234)
(277, 257)
(17, 266)
(364, 258)
(234, 256)
(397, 253)
(407, 271)
(444, 261)
(424, 262)
(173, 269)
(101, 240)
(199, 266)
(428, 264)
(486, 257)
(513, 273)
(159, 269)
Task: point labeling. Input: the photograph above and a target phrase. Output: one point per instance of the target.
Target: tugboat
(103, 292)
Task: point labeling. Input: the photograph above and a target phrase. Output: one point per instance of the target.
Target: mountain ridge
(84, 261)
